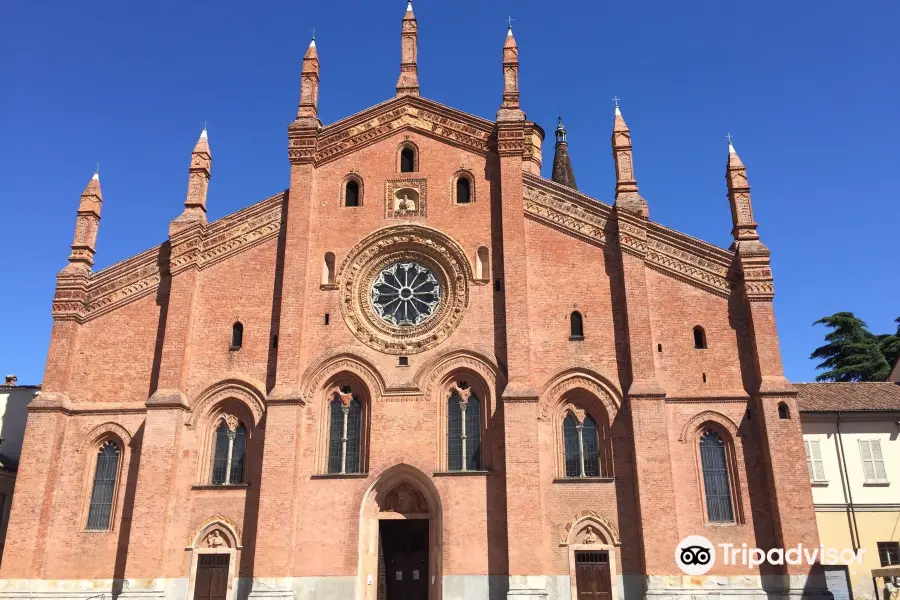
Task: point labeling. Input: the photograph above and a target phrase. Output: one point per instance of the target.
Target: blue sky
(809, 90)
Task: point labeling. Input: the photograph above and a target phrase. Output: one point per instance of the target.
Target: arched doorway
(400, 538)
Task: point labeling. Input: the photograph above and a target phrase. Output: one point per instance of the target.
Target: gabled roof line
(359, 116)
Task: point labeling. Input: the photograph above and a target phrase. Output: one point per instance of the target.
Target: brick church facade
(422, 371)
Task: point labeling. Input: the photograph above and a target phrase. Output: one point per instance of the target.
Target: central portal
(403, 559)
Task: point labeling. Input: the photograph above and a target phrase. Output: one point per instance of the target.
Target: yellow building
(851, 432)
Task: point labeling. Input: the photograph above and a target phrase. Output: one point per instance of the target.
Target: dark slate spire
(562, 164)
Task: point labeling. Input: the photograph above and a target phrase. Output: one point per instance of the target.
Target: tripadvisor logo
(696, 555)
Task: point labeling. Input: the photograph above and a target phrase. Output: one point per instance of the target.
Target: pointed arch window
(699, 338)
(230, 452)
(463, 430)
(237, 336)
(784, 412)
(587, 451)
(351, 194)
(407, 160)
(463, 190)
(576, 326)
(106, 474)
(345, 433)
(716, 479)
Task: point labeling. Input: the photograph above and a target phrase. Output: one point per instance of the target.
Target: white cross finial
(616, 101)
(729, 137)
(509, 21)
(96, 176)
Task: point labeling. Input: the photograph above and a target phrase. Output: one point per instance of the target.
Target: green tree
(890, 344)
(853, 353)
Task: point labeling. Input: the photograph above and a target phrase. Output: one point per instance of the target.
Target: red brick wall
(297, 525)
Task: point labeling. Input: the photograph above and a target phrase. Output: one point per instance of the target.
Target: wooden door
(592, 577)
(212, 577)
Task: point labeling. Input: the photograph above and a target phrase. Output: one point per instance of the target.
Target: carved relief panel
(405, 198)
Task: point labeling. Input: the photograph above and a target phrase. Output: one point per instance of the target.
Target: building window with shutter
(814, 462)
(230, 451)
(103, 490)
(463, 429)
(873, 462)
(716, 478)
(345, 433)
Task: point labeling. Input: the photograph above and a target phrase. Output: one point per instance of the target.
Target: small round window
(406, 294)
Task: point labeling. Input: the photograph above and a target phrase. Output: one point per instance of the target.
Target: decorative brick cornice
(383, 120)
(82, 297)
(689, 259)
(686, 258)
(565, 209)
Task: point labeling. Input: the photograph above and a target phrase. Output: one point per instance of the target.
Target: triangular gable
(414, 113)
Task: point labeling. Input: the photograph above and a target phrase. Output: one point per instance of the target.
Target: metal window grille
(238, 455)
(473, 434)
(591, 448)
(715, 478)
(599, 557)
(354, 429)
(104, 487)
(454, 434)
(220, 455)
(334, 439)
(570, 443)
(889, 553)
(213, 560)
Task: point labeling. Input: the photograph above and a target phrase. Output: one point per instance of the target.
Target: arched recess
(343, 381)
(345, 358)
(99, 434)
(235, 399)
(234, 387)
(216, 537)
(589, 531)
(727, 431)
(482, 264)
(559, 388)
(696, 422)
(443, 373)
(90, 445)
(399, 492)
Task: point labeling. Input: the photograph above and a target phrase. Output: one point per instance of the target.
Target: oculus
(404, 289)
(406, 294)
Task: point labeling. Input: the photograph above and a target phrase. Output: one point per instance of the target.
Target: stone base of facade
(713, 587)
(455, 587)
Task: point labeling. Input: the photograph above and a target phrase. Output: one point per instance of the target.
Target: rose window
(406, 294)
